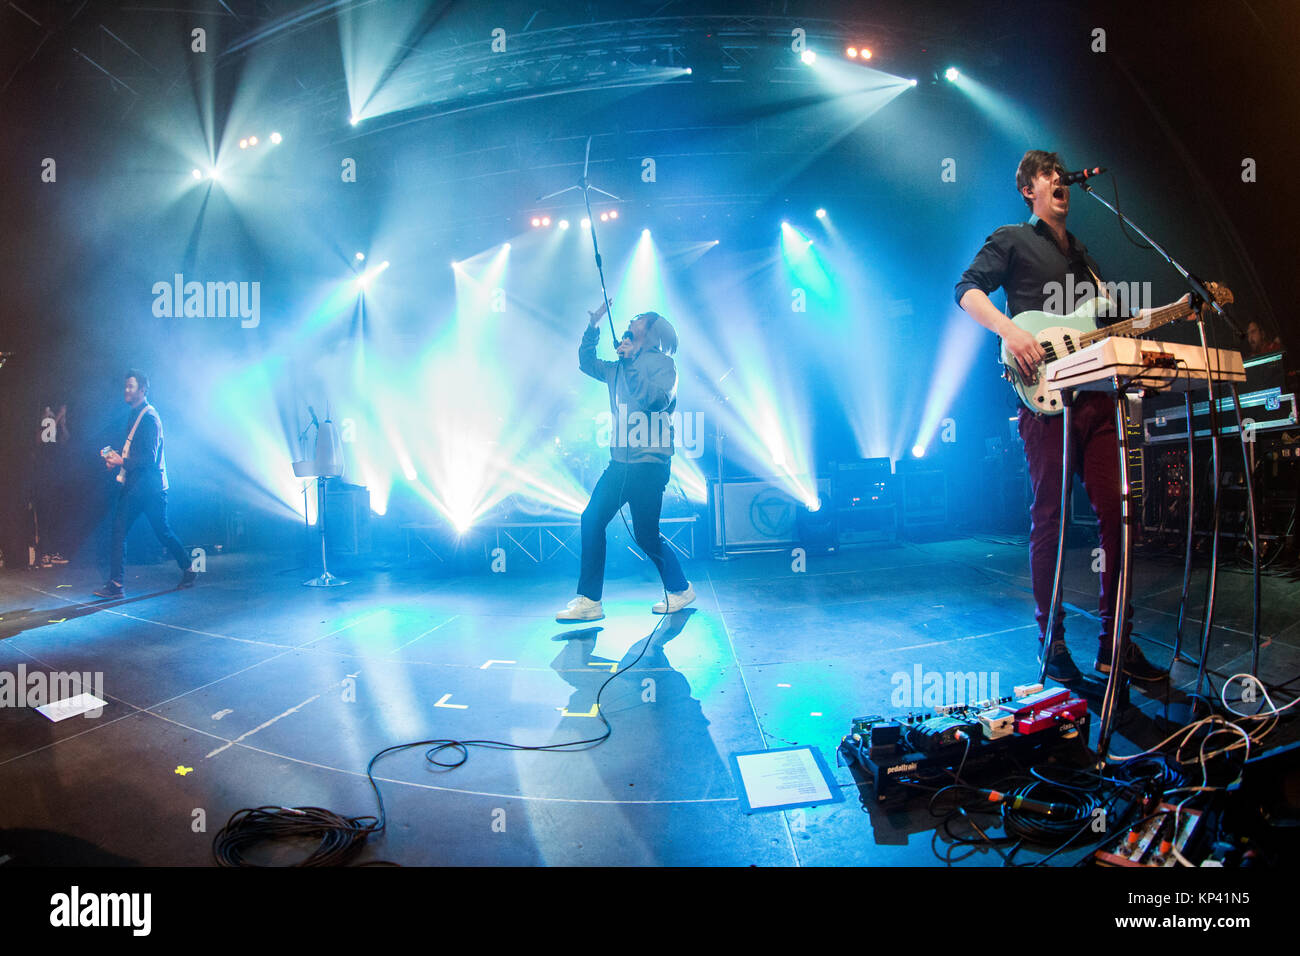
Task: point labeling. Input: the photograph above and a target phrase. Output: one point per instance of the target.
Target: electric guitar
(1062, 335)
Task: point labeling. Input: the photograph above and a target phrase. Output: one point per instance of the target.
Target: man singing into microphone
(642, 397)
(143, 486)
(1028, 261)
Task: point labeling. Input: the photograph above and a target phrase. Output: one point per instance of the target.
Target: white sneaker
(676, 601)
(581, 609)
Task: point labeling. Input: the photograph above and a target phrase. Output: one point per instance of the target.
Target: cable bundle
(1051, 831)
(340, 838)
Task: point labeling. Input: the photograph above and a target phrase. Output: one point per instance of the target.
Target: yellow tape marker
(566, 712)
(182, 770)
(612, 665)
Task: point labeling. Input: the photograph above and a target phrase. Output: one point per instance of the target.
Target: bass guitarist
(1032, 262)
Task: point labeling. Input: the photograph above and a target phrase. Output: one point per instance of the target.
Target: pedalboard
(923, 749)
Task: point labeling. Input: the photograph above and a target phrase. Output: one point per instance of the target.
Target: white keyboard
(1164, 366)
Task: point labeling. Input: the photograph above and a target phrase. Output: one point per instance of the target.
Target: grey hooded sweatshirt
(642, 400)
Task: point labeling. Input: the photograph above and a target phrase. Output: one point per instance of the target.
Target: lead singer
(642, 397)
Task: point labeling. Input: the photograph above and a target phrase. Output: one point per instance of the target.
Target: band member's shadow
(660, 748)
(29, 619)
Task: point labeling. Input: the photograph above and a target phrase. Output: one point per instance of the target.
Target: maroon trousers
(1094, 455)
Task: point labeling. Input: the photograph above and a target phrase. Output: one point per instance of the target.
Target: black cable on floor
(340, 838)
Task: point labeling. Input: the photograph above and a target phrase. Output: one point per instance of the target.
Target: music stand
(327, 464)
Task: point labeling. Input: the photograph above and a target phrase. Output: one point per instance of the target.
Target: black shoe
(1136, 666)
(188, 578)
(1060, 665)
(110, 590)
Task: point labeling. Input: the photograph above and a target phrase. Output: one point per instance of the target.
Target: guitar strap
(126, 445)
(1100, 286)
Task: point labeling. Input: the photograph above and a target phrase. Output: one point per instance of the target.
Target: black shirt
(145, 466)
(1025, 260)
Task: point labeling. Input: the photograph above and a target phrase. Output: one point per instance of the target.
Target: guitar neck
(1132, 328)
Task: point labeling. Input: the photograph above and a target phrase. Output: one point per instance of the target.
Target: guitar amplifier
(863, 496)
(924, 493)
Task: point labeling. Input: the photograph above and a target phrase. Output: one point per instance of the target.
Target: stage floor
(252, 690)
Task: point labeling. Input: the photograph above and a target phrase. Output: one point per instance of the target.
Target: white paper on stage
(71, 707)
(782, 777)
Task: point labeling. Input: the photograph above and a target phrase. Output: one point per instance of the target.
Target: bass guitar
(1062, 335)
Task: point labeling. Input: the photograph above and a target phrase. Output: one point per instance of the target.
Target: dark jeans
(1095, 456)
(131, 503)
(642, 486)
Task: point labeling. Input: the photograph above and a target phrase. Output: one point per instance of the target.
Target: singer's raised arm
(587, 361)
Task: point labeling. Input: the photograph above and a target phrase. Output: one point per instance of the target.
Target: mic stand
(585, 185)
(721, 501)
(302, 450)
(1199, 292)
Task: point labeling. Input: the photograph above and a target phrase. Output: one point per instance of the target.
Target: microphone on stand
(1069, 179)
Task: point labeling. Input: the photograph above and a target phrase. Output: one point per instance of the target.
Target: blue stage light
(363, 282)
(951, 74)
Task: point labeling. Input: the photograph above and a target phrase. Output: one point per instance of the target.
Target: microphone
(1069, 179)
(313, 416)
